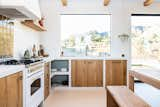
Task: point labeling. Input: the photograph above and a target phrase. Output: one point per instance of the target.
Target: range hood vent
(20, 9)
(12, 13)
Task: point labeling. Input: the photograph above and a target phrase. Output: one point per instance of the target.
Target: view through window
(146, 41)
(85, 35)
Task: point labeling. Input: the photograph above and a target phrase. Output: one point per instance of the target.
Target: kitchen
(41, 26)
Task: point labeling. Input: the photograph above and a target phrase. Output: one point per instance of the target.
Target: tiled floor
(71, 97)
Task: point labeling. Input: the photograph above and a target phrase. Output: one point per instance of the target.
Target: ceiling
(106, 2)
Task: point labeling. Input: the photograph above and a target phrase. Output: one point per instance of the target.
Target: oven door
(35, 89)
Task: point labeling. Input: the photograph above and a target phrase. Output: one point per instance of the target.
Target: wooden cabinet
(87, 73)
(3, 92)
(116, 72)
(11, 94)
(79, 73)
(14, 90)
(94, 73)
(47, 81)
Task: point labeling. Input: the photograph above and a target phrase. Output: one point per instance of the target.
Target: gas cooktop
(29, 61)
(20, 62)
(11, 62)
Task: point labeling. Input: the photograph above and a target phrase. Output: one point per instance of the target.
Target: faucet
(86, 50)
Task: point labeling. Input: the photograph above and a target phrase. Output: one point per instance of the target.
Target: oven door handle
(37, 74)
(35, 77)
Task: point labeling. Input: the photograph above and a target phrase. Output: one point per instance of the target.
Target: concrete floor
(96, 97)
(71, 97)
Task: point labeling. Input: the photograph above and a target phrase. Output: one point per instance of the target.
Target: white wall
(51, 38)
(24, 38)
(120, 11)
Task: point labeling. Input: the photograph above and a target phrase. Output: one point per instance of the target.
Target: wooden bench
(121, 96)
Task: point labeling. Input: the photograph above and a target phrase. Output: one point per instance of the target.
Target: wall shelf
(32, 24)
(59, 73)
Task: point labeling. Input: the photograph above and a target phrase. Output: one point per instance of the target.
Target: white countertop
(90, 58)
(47, 59)
(6, 70)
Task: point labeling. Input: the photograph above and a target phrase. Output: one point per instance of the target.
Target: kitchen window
(6, 37)
(145, 41)
(85, 35)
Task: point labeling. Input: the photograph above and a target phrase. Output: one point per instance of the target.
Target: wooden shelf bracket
(106, 2)
(148, 2)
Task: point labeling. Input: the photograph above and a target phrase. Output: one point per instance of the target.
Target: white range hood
(20, 9)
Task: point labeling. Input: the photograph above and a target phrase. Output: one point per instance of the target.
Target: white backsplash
(24, 38)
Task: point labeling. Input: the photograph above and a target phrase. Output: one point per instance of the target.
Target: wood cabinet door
(3, 92)
(94, 73)
(79, 73)
(46, 79)
(116, 72)
(14, 90)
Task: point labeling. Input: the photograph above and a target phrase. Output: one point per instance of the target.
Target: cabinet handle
(90, 62)
(21, 77)
(47, 75)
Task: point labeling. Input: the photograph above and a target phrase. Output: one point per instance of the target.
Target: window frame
(109, 53)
